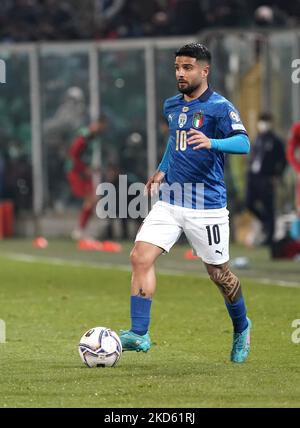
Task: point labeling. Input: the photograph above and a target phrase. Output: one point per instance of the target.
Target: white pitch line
(63, 262)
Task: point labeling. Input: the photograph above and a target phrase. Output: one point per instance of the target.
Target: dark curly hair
(195, 50)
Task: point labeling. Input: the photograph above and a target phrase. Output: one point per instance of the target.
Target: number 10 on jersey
(181, 141)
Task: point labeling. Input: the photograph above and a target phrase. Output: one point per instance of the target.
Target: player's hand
(152, 185)
(198, 138)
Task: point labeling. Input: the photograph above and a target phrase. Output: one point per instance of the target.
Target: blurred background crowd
(40, 20)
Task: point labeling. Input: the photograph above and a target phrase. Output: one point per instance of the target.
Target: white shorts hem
(214, 262)
(149, 241)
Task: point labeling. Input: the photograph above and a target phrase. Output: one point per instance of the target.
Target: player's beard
(188, 89)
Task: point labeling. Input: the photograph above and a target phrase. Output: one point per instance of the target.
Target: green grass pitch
(47, 307)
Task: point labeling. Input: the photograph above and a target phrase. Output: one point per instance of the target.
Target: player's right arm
(152, 185)
(156, 179)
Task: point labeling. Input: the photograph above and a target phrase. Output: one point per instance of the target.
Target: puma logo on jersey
(170, 117)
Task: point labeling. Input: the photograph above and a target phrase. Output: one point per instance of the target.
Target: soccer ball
(100, 347)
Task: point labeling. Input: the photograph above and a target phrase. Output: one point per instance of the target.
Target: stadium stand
(32, 20)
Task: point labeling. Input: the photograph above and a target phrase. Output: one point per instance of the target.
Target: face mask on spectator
(263, 126)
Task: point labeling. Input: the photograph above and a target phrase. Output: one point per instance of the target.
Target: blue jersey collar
(206, 95)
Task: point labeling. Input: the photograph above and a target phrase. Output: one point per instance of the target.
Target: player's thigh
(210, 241)
(160, 228)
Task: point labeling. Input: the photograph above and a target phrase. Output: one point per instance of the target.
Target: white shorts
(206, 230)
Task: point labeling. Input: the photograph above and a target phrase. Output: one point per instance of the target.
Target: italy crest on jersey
(197, 120)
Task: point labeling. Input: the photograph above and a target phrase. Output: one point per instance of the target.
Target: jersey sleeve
(229, 122)
(164, 164)
(238, 144)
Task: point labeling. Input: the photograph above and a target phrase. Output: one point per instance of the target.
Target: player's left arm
(236, 144)
(228, 125)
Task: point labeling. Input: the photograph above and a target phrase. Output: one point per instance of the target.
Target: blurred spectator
(264, 16)
(232, 13)
(266, 166)
(23, 18)
(58, 21)
(69, 116)
(111, 175)
(270, 16)
(134, 158)
(106, 14)
(67, 119)
(18, 178)
(81, 175)
(293, 156)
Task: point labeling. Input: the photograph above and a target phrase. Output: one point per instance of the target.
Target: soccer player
(203, 127)
(81, 175)
(293, 148)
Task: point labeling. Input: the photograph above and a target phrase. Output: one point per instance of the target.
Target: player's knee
(227, 282)
(140, 259)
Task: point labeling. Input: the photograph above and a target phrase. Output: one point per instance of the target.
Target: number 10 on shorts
(213, 234)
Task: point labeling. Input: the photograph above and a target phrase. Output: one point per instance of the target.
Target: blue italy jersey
(200, 173)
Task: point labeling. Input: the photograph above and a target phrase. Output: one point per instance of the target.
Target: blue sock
(140, 314)
(238, 314)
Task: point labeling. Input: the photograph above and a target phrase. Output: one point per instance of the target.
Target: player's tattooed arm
(200, 140)
(152, 185)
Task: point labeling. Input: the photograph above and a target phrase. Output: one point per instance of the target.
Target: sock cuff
(140, 299)
(140, 305)
(140, 314)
